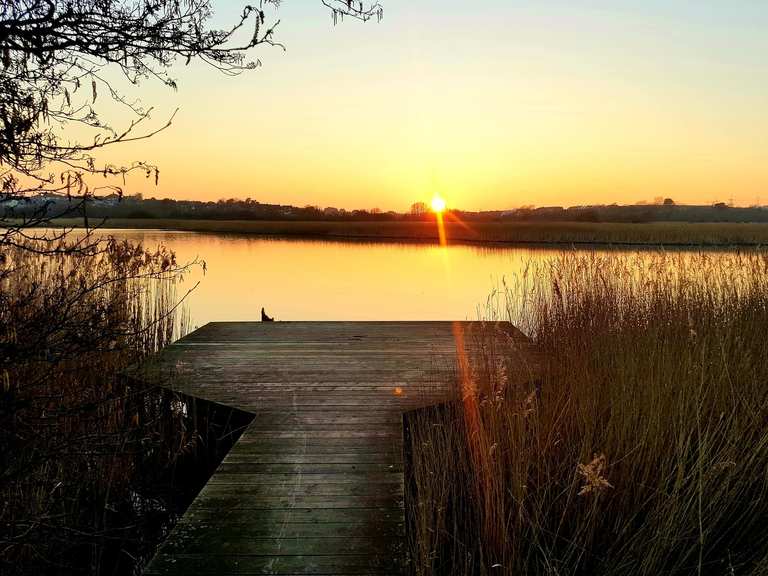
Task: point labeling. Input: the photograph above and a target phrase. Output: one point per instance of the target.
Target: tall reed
(640, 446)
(75, 433)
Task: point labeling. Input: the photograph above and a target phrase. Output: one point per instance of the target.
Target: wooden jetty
(315, 484)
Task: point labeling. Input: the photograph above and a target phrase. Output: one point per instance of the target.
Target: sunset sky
(492, 104)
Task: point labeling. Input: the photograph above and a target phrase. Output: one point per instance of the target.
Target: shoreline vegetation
(95, 465)
(639, 448)
(671, 234)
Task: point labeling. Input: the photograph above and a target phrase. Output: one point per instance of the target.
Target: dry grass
(666, 233)
(79, 441)
(642, 448)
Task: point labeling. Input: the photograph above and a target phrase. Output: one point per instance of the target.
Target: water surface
(338, 280)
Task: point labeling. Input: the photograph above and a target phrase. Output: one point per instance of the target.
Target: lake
(337, 280)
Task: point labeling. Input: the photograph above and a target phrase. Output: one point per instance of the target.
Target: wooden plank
(298, 530)
(372, 517)
(315, 484)
(313, 445)
(311, 458)
(324, 468)
(312, 546)
(290, 499)
(380, 434)
(204, 564)
(299, 481)
(241, 493)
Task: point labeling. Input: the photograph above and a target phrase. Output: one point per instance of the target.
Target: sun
(438, 205)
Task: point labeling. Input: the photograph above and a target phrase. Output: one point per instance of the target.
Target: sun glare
(438, 204)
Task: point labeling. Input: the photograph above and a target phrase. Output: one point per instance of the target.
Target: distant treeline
(232, 209)
(669, 212)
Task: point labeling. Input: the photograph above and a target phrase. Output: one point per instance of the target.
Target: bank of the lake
(539, 233)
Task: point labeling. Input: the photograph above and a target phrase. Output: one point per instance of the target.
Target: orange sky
(509, 104)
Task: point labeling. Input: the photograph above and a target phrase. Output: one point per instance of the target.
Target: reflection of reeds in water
(642, 446)
(79, 442)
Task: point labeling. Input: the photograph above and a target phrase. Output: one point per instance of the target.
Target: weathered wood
(243, 494)
(205, 564)
(346, 546)
(224, 502)
(315, 484)
(298, 480)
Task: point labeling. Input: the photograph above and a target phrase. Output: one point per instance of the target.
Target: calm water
(321, 280)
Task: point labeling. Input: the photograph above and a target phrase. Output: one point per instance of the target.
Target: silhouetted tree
(59, 61)
(419, 208)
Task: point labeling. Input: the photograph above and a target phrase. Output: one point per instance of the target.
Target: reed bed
(640, 446)
(474, 232)
(79, 441)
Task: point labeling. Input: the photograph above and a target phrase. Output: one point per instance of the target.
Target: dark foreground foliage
(642, 448)
(89, 458)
